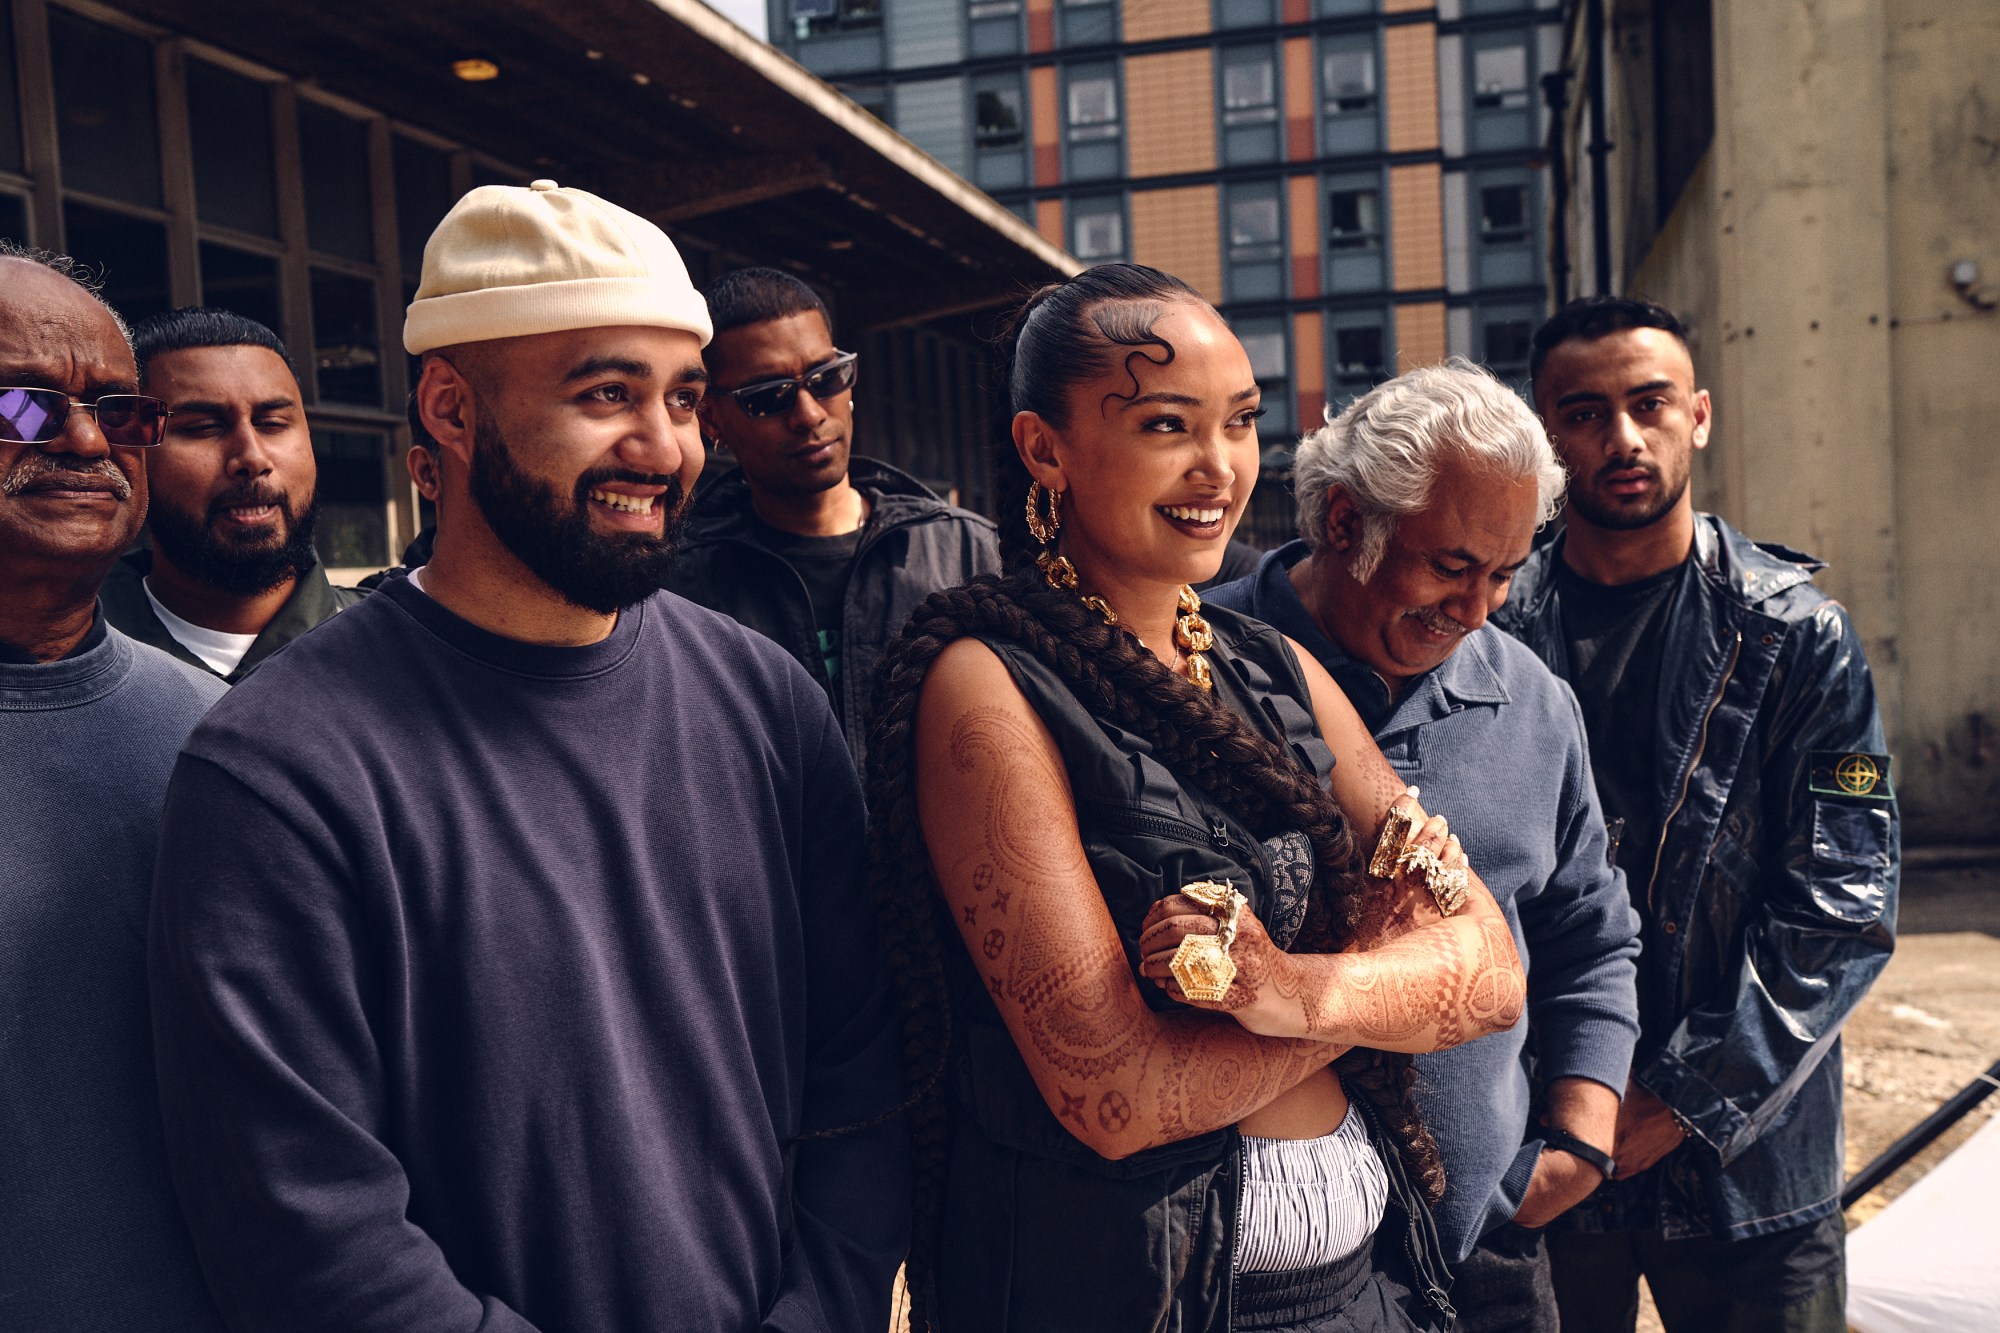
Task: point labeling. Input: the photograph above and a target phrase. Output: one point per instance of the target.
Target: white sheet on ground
(1930, 1261)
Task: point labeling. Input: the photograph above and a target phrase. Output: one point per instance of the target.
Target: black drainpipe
(1600, 148)
(1555, 94)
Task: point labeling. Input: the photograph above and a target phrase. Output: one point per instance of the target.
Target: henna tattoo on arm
(1000, 823)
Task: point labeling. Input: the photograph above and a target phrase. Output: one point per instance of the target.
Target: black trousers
(1787, 1282)
(1350, 1295)
(1503, 1286)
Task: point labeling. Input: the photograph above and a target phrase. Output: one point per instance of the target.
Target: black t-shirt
(1616, 634)
(823, 563)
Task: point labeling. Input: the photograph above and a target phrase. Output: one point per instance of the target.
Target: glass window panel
(10, 97)
(346, 344)
(1507, 342)
(105, 114)
(353, 526)
(129, 253)
(1349, 79)
(1249, 88)
(1253, 226)
(997, 116)
(1503, 214)
(423, 197)
(229, 123)
(1245, 13)
(1093, 107)
(1097, 230)
(1266, 350)
(244, 282)
(1500, 78)
(14, 218)
(992, 9)
(334, 153)
(1358, 356)
(1353, 219)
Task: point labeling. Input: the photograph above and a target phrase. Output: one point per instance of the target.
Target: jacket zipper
(1216, 834)
(1694, 762)
(1236, 1233)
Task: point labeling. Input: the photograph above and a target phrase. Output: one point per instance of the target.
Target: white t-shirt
(222, 652)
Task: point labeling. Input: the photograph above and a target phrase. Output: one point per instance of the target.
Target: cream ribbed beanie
(507, 262)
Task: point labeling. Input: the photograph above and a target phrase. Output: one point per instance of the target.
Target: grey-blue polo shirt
(1496, 742)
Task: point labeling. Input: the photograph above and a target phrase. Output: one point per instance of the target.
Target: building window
(999, 132)
(1354, 234)
(1500, 70)
(1093, 123)
(820, 18)
(1086, 22)
(1503, 214)
(993, 27)
(333, 148)
(1270, 361)
(229, 124)
(107, 121)
(1359, 346)
(244, 281)
(1245, 13)
(130, 251)
(1505, 333)
(1354, 219)
(1349, 106)
(13, 218)
(1250, 121)
(353, 497)
(1255, 229)
(11, 158)
(1097, 229)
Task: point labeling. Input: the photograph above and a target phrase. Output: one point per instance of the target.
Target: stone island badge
(1854, 774)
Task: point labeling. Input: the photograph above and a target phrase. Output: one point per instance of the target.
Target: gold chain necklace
(1191, 633)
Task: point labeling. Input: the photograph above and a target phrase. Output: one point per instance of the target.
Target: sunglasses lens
(31, 416)
(131, 421)
(833, 380)
(768, 401)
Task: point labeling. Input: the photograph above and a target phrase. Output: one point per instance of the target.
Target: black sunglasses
(767, 398)
(36, 416)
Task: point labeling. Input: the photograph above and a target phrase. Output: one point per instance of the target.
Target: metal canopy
(670, 109)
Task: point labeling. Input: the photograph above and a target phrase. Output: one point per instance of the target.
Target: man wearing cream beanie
(511, 948)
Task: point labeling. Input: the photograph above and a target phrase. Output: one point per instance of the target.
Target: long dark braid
(1204, 743)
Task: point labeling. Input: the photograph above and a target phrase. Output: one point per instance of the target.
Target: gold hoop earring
(1044, 529)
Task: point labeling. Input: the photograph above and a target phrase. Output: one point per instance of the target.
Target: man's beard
(596, 571)
(1584, 501)
(246, 567)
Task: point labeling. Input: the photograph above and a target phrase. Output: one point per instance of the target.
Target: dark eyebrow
(1172, 399)
(694, 372)
(204, 408)
(608, 365)
(1241, 394)
(1467, 557)
(1650, 386)
(1584, 396)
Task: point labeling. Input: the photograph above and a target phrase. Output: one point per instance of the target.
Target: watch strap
(1564, 1141)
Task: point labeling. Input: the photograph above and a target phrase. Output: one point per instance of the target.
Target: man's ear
(448, 407)
(422, 464)
(1703, 418)
(1039, 444)
(1343, 521)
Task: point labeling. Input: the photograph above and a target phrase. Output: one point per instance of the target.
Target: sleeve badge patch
(1854, 774)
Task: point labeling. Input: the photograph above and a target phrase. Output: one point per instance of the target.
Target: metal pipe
(1600, 149)
(1920, 1138)
(1555, 94)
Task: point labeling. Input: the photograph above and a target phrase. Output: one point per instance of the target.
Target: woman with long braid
(1133, 1077)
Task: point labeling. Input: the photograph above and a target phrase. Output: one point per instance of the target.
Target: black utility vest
(1040, 1234)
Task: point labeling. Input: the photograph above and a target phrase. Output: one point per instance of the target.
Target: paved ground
(1931, 1024)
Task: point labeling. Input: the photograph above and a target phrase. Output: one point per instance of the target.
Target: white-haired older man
(1416, 505)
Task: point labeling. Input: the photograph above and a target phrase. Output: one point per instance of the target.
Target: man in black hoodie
(826, 553)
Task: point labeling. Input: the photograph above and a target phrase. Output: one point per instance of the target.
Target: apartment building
(206, 151)
(1356, 183)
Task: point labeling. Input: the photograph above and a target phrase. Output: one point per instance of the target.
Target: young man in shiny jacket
(825, 552)
(1739, 754)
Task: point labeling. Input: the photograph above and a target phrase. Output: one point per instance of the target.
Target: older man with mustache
(232, 575)
(89, 724)
(1416, 506)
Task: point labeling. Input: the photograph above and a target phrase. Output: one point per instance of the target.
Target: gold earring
(1044, 529)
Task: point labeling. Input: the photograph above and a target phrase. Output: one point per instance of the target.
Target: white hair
(1386, 448)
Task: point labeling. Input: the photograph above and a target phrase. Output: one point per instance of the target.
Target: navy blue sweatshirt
(494, 984)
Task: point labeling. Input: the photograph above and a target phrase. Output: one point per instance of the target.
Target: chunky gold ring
(1448, 886)
(1397, 826)
(1202, 964)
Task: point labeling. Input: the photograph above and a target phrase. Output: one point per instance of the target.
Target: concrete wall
(1856, 158)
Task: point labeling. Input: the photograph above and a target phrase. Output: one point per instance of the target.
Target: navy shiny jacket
(1771, 906)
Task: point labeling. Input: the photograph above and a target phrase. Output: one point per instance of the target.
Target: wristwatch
(1564, 1141)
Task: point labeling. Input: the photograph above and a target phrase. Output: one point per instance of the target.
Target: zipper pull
(1218, 833)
